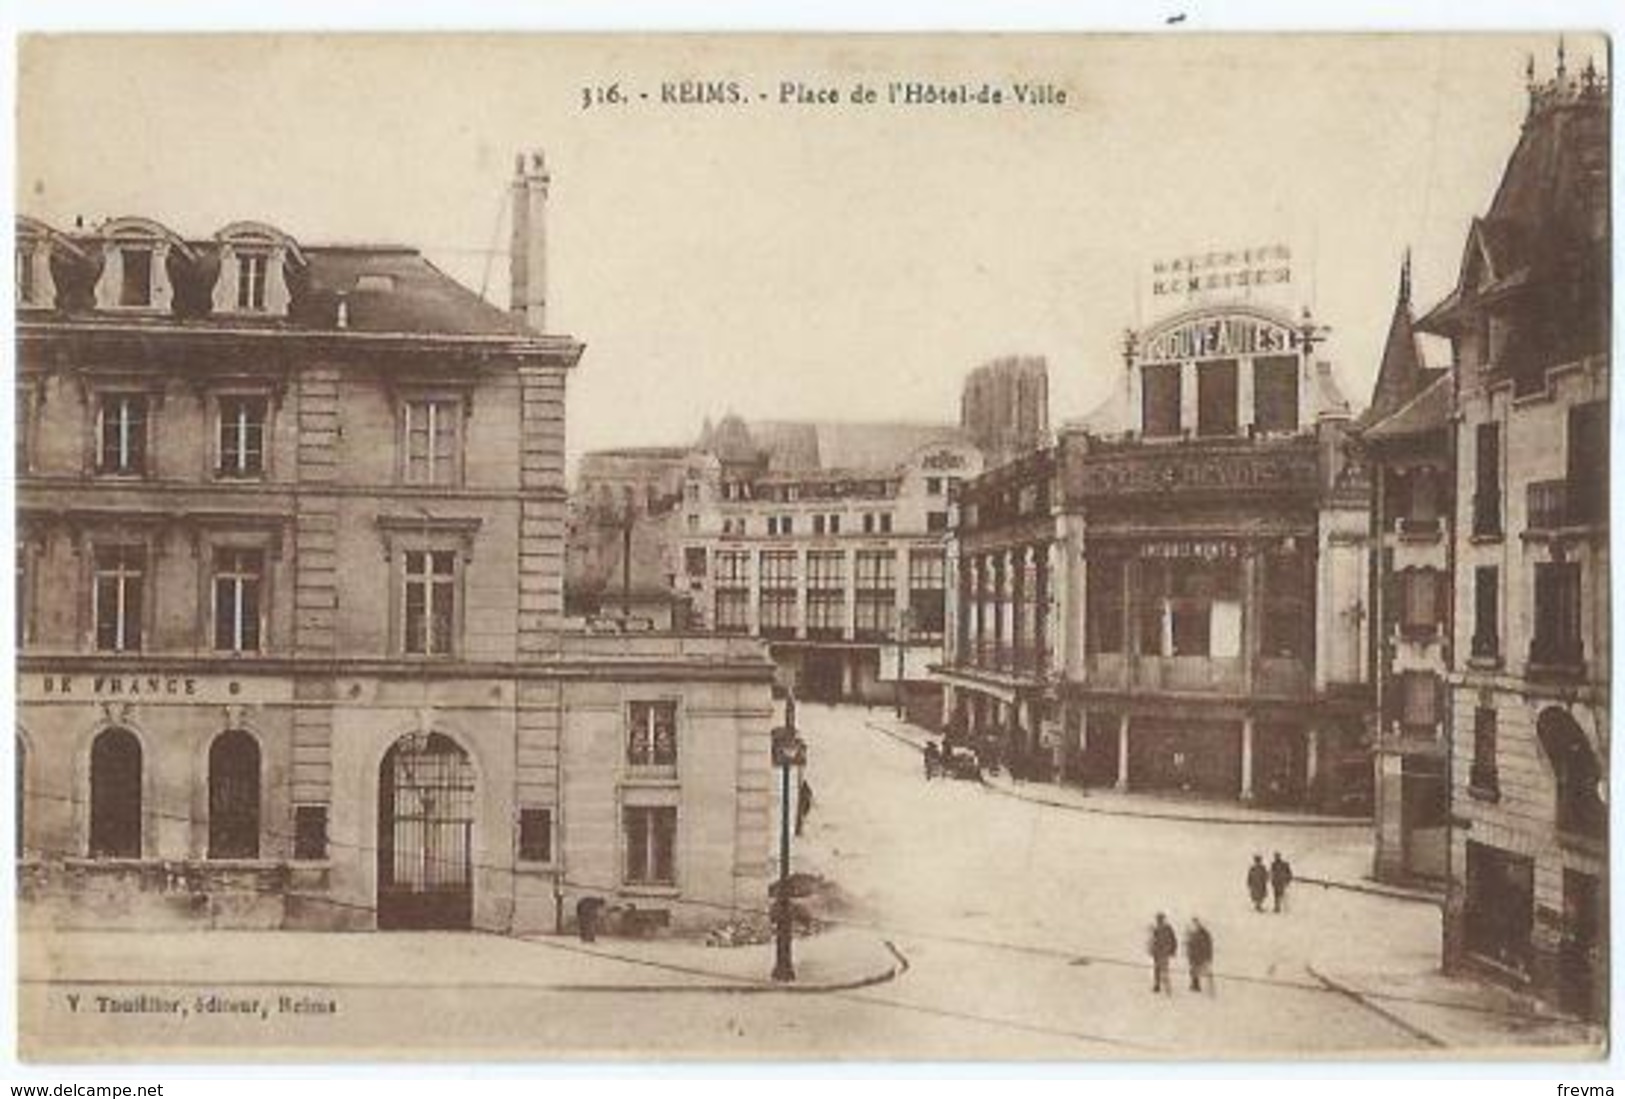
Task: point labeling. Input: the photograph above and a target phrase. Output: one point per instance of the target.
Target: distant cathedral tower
(1005, 407)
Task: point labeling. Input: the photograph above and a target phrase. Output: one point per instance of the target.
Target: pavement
(834, 959)
(1345, 874)
(1399, 983)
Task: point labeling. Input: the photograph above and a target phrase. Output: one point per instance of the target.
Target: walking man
(1163, 946)
(1280, 878)
(1258, 882)
(1199, 955)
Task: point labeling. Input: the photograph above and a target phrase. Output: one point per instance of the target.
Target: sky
(811, 261)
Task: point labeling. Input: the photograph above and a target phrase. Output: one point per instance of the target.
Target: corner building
(1529, 325)
(1171, 598)
(290, 559)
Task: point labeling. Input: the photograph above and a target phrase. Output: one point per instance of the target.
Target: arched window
(115, 795)
(234, 796)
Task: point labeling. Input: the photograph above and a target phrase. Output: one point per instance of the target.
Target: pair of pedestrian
(1265, 881)
(1164, 944)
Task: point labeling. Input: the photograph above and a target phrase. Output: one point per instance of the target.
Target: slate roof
(1424, 413)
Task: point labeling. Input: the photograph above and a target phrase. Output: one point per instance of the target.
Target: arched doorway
(425, 835)
(1578, 774)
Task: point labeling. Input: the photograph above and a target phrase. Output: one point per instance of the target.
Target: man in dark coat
(804, 804)
(1280, 878)
(1199, 955)
(1258, 882)
(1163, 946)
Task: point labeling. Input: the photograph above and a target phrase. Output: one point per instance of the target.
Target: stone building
(827, 539)
(1405, 438)
(621, 542)
(289, 578)
(1171, 597)
(1529, 324)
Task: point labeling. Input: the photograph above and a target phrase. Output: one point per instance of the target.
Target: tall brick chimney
(527, 253)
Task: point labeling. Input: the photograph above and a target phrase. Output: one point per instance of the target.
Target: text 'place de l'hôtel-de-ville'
(295, 545)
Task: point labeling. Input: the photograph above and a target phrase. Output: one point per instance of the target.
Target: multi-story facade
(829, 541)
(1170, 598)
(1405, 436)
(1529, 328)
(289, 590)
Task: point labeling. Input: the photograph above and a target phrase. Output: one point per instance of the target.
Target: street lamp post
(789, 752)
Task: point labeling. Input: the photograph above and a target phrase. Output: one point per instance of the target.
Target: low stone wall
(158, 894)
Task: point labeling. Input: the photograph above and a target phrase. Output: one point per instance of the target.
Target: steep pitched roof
(1402, 373)
(1426, 412)
(388, 289)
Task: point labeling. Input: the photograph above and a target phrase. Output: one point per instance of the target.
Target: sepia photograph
(1054, 547)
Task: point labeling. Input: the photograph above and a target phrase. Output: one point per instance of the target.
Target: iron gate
(425, 835)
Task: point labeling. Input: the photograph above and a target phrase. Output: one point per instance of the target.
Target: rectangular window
(778, 612)
(884, 518)
(310, 832)
(536, 835)
(1160, 400)
(868, 522)
(118, 594)
(651, 844)
(927, 590)
(136, 288)
(826, 612)
(1105, 605)
(239, 576)
(651, 736)
(121, 433)
(733, 611)
(430, 601)
(818, 524)
(25, 275)
(1289, 595)
(1486, 612)
(242, 436)
(933, 486)
(430, 431)
(1484, 780)
(935, 521)
(694, 561)
(251, 268)
(1557, 641)
(876, 570)
(733, 567)
(1587, 463)
(1216, 397)
(778, 569)
(826, 570)
(1487, 491)
(1275, 393)
(835, 524)
(876, 614)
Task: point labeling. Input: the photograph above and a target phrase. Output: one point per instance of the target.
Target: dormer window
(254, 258)
(135, 286)
(251, 268)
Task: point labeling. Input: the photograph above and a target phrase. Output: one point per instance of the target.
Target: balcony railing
(1418, 529)
(1548, 505)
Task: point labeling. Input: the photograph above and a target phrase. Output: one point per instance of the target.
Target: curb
(1365, 1001)
(1372, 889)
(1002, 787)
(899, 966)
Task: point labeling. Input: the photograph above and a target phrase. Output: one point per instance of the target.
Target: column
(801, 593)
(849, 579)
(1122, 752)
(1252, 615)
(1244, 394)
(978, 626)
(1188, 403)
(1041, 616)
(1007, 601)
(1018, 606)
(1247, 758)
(1311, 762)
(753, 604)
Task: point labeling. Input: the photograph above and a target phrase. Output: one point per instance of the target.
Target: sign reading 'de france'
(157, 687)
